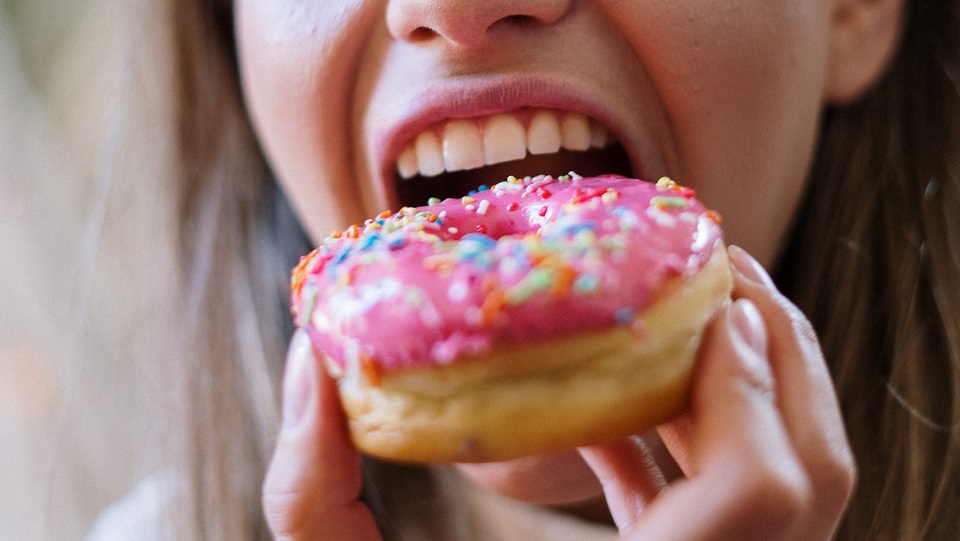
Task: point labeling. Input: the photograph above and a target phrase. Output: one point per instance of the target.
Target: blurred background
(71, 421)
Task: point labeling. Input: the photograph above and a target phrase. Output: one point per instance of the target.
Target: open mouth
(457, 156)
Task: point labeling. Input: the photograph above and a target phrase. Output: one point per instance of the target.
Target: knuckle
(834, 480)
(777, 496)
(805, 334)
(795, 326)
(784, 313)
(802, 328)
(756, 381)
(284, 513)
(787, 494)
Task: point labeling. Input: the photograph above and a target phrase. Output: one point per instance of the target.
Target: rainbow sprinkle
(485, 259)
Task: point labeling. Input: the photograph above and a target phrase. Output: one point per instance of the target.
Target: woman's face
(721, 95)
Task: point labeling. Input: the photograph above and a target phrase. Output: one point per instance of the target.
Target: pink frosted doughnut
(533, 316)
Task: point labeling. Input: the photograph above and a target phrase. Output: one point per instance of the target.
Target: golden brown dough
(546, 396)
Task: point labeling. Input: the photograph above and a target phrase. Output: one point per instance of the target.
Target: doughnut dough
(546, 395)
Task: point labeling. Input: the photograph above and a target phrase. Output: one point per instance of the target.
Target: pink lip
(466, 99)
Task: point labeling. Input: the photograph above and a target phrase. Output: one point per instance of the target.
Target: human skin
(723, 96)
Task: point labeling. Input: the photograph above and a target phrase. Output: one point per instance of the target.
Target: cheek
(742, 84)
(297, 64)
(371, 109)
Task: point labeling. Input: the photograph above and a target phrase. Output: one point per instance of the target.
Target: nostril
(517, 20)
(422, 33)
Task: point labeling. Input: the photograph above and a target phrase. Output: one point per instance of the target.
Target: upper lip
(467, 99)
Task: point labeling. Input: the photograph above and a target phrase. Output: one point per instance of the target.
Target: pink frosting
(525, 259)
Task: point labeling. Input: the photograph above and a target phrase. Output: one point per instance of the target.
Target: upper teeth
(471, 143)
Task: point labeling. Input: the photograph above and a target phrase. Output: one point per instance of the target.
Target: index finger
(806, 396)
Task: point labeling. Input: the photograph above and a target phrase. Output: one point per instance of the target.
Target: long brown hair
(236, 236)
(237, 239)
(874, 261)
(875, 264)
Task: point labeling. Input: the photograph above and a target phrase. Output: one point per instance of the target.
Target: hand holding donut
(592, 305)
(763, 446)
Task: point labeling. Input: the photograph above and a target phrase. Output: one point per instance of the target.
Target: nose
(467, 24)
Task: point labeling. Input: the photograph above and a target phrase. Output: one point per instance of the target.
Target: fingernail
(299, 379)
(748, 325)
(748, 267)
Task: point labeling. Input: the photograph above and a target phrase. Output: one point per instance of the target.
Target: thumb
(312, 487)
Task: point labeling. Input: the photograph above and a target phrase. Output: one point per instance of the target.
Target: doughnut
(529, 317)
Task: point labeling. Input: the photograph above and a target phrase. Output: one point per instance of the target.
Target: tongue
(610, 160)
